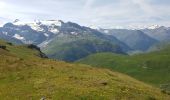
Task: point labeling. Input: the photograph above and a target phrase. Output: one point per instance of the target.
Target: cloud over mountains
(102, 13)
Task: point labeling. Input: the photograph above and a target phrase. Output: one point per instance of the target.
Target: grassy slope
(153, 68)
(23, 76)
(56, 44)
(81, 48)
(70, 48)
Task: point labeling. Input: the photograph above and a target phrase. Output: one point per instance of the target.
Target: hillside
(8, 38)
(161, 33)
(72, 51)
(24, 74)
(135, 39)
(153, 68)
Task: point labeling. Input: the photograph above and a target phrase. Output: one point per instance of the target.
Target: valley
(26, 75)
(153, 67)
(84, 50)
(36, 56)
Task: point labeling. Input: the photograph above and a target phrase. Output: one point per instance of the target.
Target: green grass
(75, 48)
(25, 76)
(153, 68)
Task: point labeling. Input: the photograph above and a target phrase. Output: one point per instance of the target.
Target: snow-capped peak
(95, 27)
(38, 22)
(17, 36)
(35, 26)
(153, 27)
(51, 22)
(18, 22)
(139, 27)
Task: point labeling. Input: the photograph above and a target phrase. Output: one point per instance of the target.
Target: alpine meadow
(85, 50)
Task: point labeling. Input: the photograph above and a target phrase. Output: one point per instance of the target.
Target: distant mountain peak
(94, 27)
(139, 27)
(38, 22)
(16, 20)
(51, 22)
(154, 27)
(38, 25)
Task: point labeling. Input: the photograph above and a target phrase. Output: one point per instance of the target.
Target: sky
(99, 13)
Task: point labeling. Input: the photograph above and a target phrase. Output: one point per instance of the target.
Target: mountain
(135, 39)
(69, 41)
(141, 27)
(160, 33)
(56, 37)
(78, 49)
(24, 33)
(24, 75)
(4, 36)
(78, 42)
(153, 27)
(152, 68)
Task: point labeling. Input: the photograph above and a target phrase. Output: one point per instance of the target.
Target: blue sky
(101, 13)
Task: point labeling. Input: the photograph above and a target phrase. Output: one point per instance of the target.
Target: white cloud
(102, 13)
(144, 5)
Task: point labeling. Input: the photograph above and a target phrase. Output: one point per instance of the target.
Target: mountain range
(135, 39)
(30, 66)
(69, 41)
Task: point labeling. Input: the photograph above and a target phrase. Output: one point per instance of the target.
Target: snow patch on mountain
(17, 36)
(139, 27)
(74, 33)
(35, 26)
(47, 35)
(54, 30)
(106, 31)
(154, 27)
(5, 33)
(18, 23)
(52, 22)
(94, 27)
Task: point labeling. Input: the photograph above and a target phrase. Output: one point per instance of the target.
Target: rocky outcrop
(2, 47)
(34, 47)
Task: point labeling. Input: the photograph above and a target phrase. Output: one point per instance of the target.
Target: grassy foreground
(153, 68)
(25, 76)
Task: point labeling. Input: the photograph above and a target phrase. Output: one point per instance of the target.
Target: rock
(41, 54)
(104, 83)
(3, 47)
(32, 46)
(43, 98)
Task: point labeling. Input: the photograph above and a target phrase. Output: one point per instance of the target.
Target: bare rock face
(41, 54)
(31, 46)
